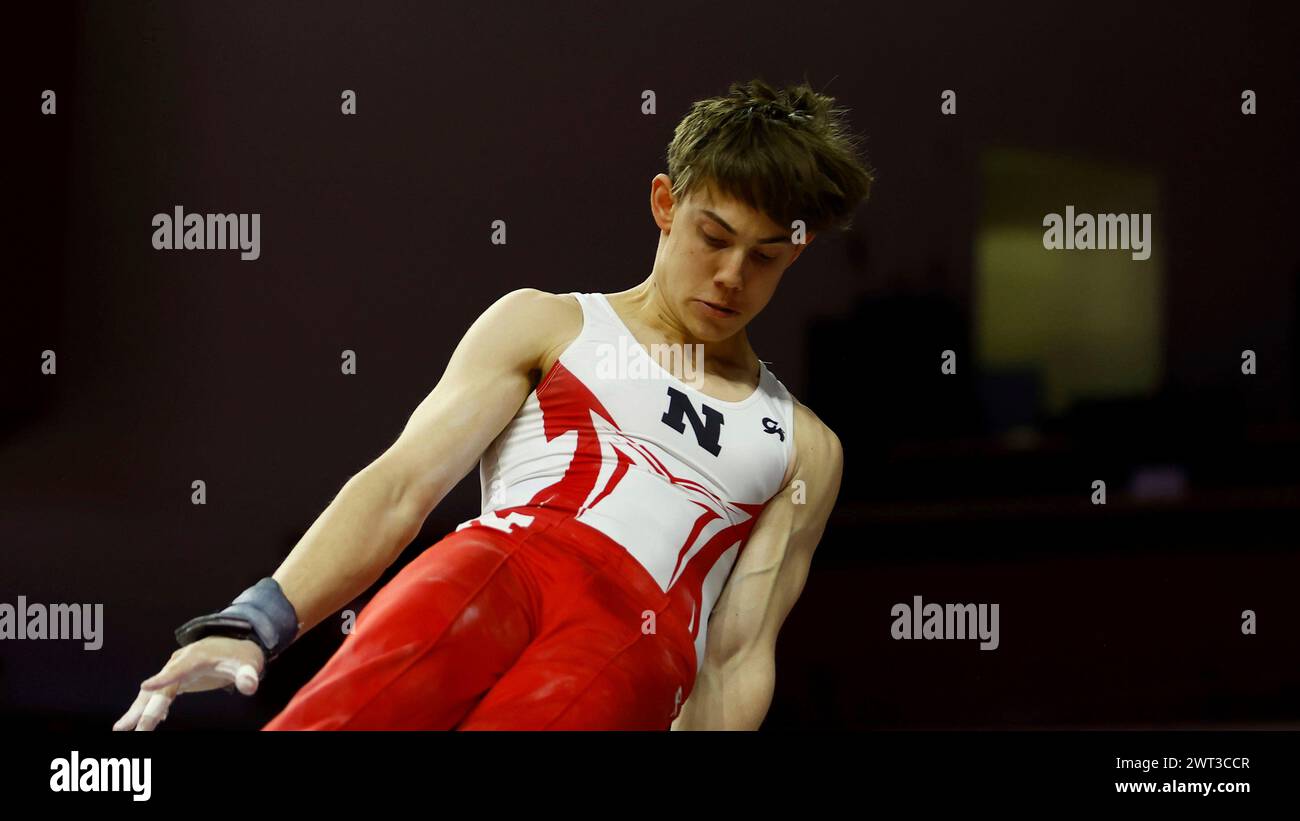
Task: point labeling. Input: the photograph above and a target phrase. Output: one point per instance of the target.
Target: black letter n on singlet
(706, 432)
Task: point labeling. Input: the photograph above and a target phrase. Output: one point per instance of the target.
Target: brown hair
(787, 153)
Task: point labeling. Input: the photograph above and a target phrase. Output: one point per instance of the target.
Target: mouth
(717, 309)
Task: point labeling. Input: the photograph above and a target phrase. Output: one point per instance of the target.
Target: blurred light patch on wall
(1055, 326)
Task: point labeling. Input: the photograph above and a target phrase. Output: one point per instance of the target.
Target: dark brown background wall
(375, 237)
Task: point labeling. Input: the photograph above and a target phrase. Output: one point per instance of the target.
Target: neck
(649, 308)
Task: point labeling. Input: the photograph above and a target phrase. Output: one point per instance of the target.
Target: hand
(209, 663)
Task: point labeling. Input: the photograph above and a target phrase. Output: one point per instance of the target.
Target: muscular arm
(381, 508)
(734, 686)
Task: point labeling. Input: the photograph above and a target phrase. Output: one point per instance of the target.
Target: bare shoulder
(540, 308)
(550, 321)
(818, 454)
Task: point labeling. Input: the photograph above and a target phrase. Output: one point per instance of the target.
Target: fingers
(243, 674)
(132, 715)
(188, 671)
(155, 710)
(156, 695)
(147, 711)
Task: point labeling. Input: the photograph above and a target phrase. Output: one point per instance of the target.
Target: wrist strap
(262, 614)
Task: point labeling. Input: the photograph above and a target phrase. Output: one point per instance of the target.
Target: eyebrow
(720, 221)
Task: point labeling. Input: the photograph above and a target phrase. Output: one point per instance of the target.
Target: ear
(662, 204)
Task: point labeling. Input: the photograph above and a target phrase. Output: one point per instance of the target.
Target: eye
(721, 243)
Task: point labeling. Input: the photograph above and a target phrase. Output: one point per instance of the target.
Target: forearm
(731, 696)
(358, 535)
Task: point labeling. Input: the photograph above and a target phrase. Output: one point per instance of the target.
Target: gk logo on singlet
(707, 431)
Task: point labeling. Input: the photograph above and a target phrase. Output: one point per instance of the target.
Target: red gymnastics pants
(537, 628)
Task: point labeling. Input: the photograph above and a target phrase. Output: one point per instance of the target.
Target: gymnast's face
(719, 260)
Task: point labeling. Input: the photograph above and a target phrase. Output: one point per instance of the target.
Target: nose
(732, 275)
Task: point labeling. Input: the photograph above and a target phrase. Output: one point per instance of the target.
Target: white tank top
(613, 439)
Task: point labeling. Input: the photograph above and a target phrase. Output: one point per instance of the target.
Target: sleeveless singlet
(676, 477)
